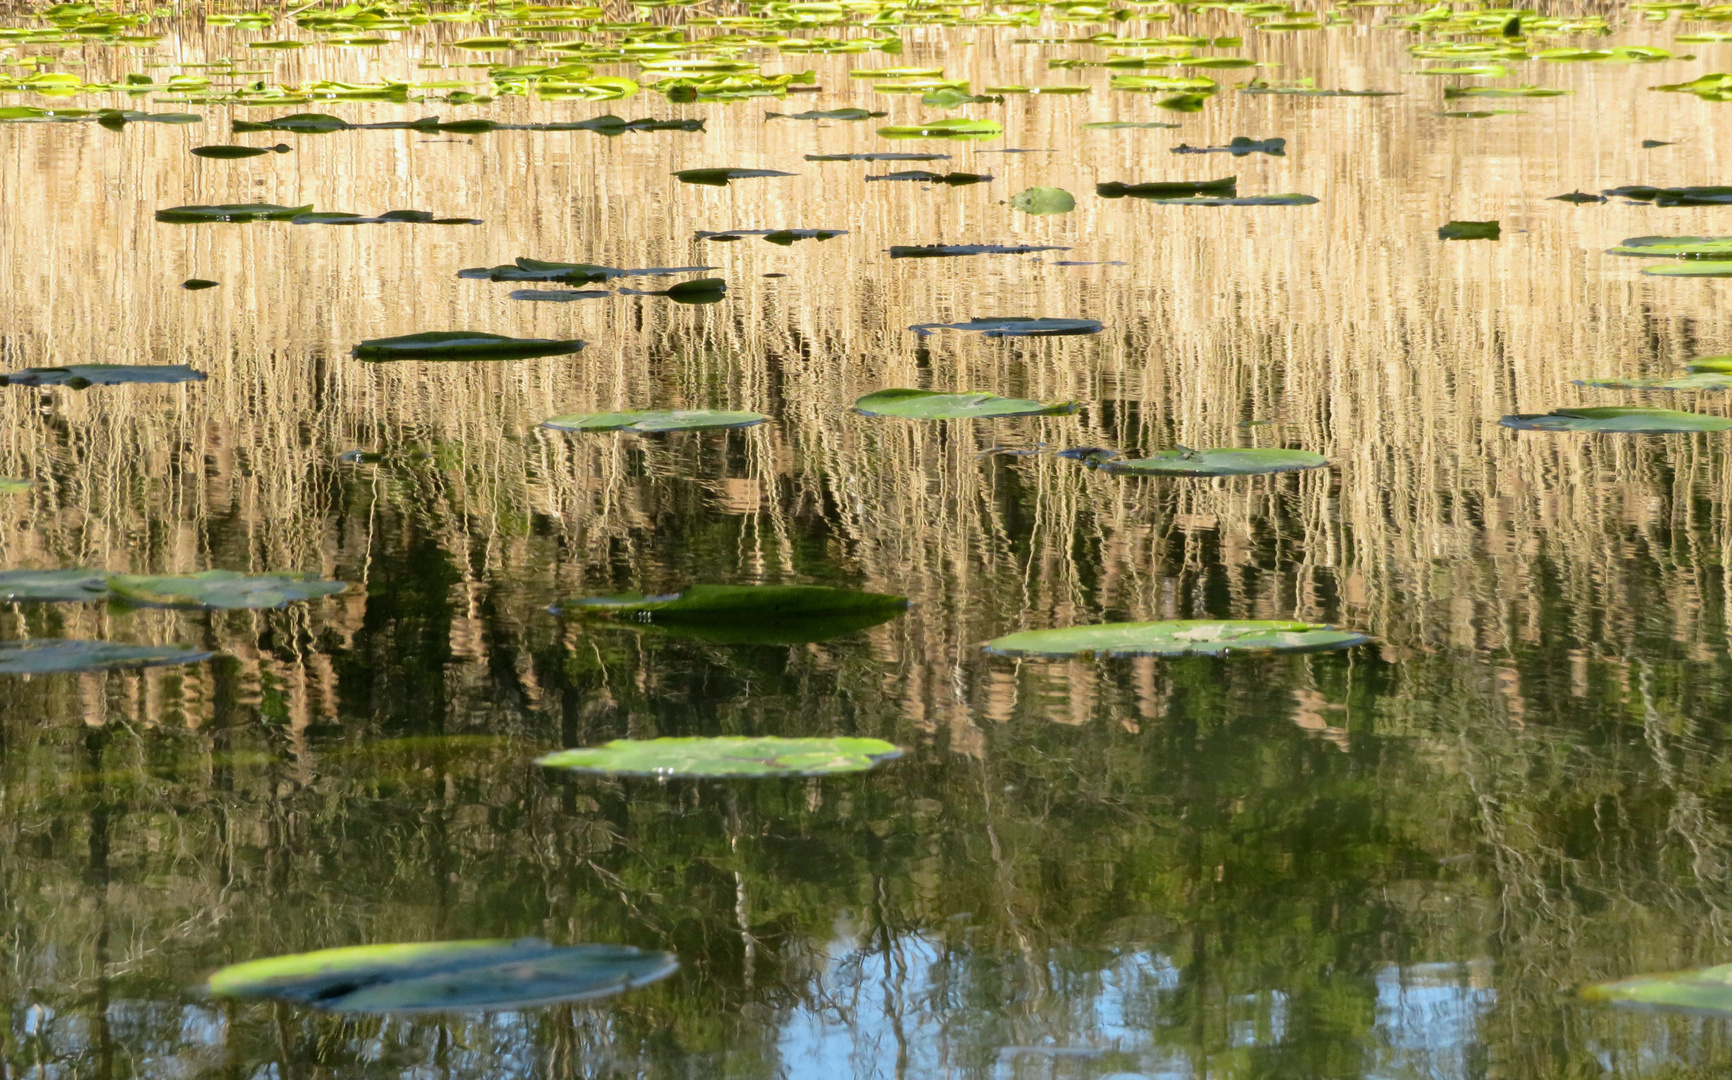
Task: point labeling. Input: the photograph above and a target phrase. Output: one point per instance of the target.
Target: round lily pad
(1182, 637)
(726, 757)
(1227, 462)
(1043, 200)
(1705, 989)
(462, 345)
(654, 420)
(1616, 418)
(41, 656)
(221, 590)
(908, 404)
(444, 976)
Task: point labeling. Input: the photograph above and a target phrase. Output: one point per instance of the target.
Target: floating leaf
(1239, 147)
(1304, 88)
(1043, 200)
(1616, 419)
(941, 251)
(444, 976)
(779, 237)
(826, 114)
(747, 614)
(720, 177)
(957, 128)
(558, 296)
(1702, 990)
(1224, 462)
(389, 217)
(230, 212)
(194, 284)
(12, 485)
(905, 404)
(79, 376)
(725, 757)
(1676, 196)
(42, 656)
(1675, 247)
(1288, 199)
(1122, 125)
(462, 345)
(699, 291)
(53, 586)
(1453, 92)
(877, 157)
(1183, 637)
(654, 420)
(570, 273)
(955, 179)
(1164, 189)
(1578, 197)
(1691, 268)
(221, 590)
(1016, 326)
(1468, 230)
(234, 152)
(1696, 380)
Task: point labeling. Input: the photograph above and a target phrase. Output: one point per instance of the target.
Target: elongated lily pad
(558, 296)
(955, 128)
(13, 485)
(1468, 230)
(699, 291)
(389, 217)
(74, 586)
(908, 404)
(1616, 418)
(1675, 247)
(1043, 200)
(1182, 637)
(569, 273)
(779, 237)
(1288, 199)
(462, 345)
(1691, 268)
(1016, 326)
(1703, 990)
(230, 212)
(221, 590)
(943, 251)
(230, 153)
(1696, 380)
(1125, 125)
(953, 179)
(1578, 197)
(78, 376)
(444, 976)
(720, 177)
(1225, 462)
(827, 114)
(42, 656)
(645, 421)
(1167, 189)
(1697, 195)
(1453, 92)
(726, 757)
(877, 157)
(736, 604)
(198, 284)
(1239, 147)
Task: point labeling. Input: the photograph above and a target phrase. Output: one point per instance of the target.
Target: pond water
(1401, 860)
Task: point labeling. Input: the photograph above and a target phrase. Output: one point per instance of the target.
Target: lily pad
(570, 273)
(74, 586)
(1165, 189)
(444, 976)
(720, 177)
(955, 179)
(1703, 990)
(699, 291)
(227, 153)
(1578, 197)
(905, 404)
(878, 157)
(1288, 199)
(1239, 147)
(1453, 92)
(827, 114)
(942, 251)
(725, 757)
(736, 604)
(1675, 247)
(955, 128)
(79, 376)
(1125, 125)
(1016, 326)
(13, 485)
(389, 217)
(1468, 230)
(462, 345)
(1222, 462)
(229, 212)
(558, 296)
(1700, 195)
(1182, 637)
(1691, 268)
(1696, 380)
(198, 284)
(1616, 418)
(42, 656)
(645, 421)
(1043, 200)
(779, 237)
(221, 590)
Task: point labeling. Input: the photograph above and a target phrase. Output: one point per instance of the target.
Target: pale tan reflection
(1346, 327)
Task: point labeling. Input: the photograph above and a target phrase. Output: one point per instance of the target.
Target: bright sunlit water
(1398, 862)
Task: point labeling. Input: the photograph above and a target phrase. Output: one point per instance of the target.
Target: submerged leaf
(222, 590)
(462, 345)
(1016, 326)
(1616, 419)
(41, 656)
(570, 273)
(826, 114)
(1702, 990)
(645, 421)
(78, 376)
(726, 757)
(1224, 462)
(905, 404)
(444, 976)
(1182, 637)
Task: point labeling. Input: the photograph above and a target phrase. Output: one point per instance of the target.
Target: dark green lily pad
(905, 404)
(699, 291)
(1043, 200)
(79, 376)
(1239, 147)
(1578, 197)
(737, 604)
(227, 153)
(1223, 462)
(1703, 990)
(229, 212)
(389, 217)
(42, 656)
(444, 976)
(1698, 195)
(942, 251)
(1616, 418)
(221, 590)
(1167, 189)
(779, 237)
(76, 586)
(1016, 326)
(725, 757)
(1468, 230)
(720, 177)
(462, 345)
(955, 179)
(569, 273)
(198, 284)
(1453, 92)
(826, 114)
(558, 296)
(1288, 199)
(877, 157)
(646, 421)
(1182, 637)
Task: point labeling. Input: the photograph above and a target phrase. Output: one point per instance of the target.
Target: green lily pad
(230, 212)
(221, 590)
(1693, 195)
(74, 586)
(1239, 147)
(1288, 199)
(1182, 637)
(462, 345)
(720, 177)
(725, 757)
(43, 656)
(1125, 125)
(230, 153)
(443, 976)
(655, 420)
(1453, 92)
(1675, 247)
(570, 273)
(389, 217)
(12, 485)
(955, 128)
(1468, 230)
(1224, 462)
(79, 376)
(1616, 418)
(779, 237)
(1696, 380)
(878, 157)
(1043, 200)
(1578, 197)
(737, 604)
(698, 291)
(904, 404)
(1016, 326)
(198, 284)
(1691, 268)
(827, 114)
(1703, 990)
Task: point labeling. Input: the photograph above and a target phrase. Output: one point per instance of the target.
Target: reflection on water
(1394, 862)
